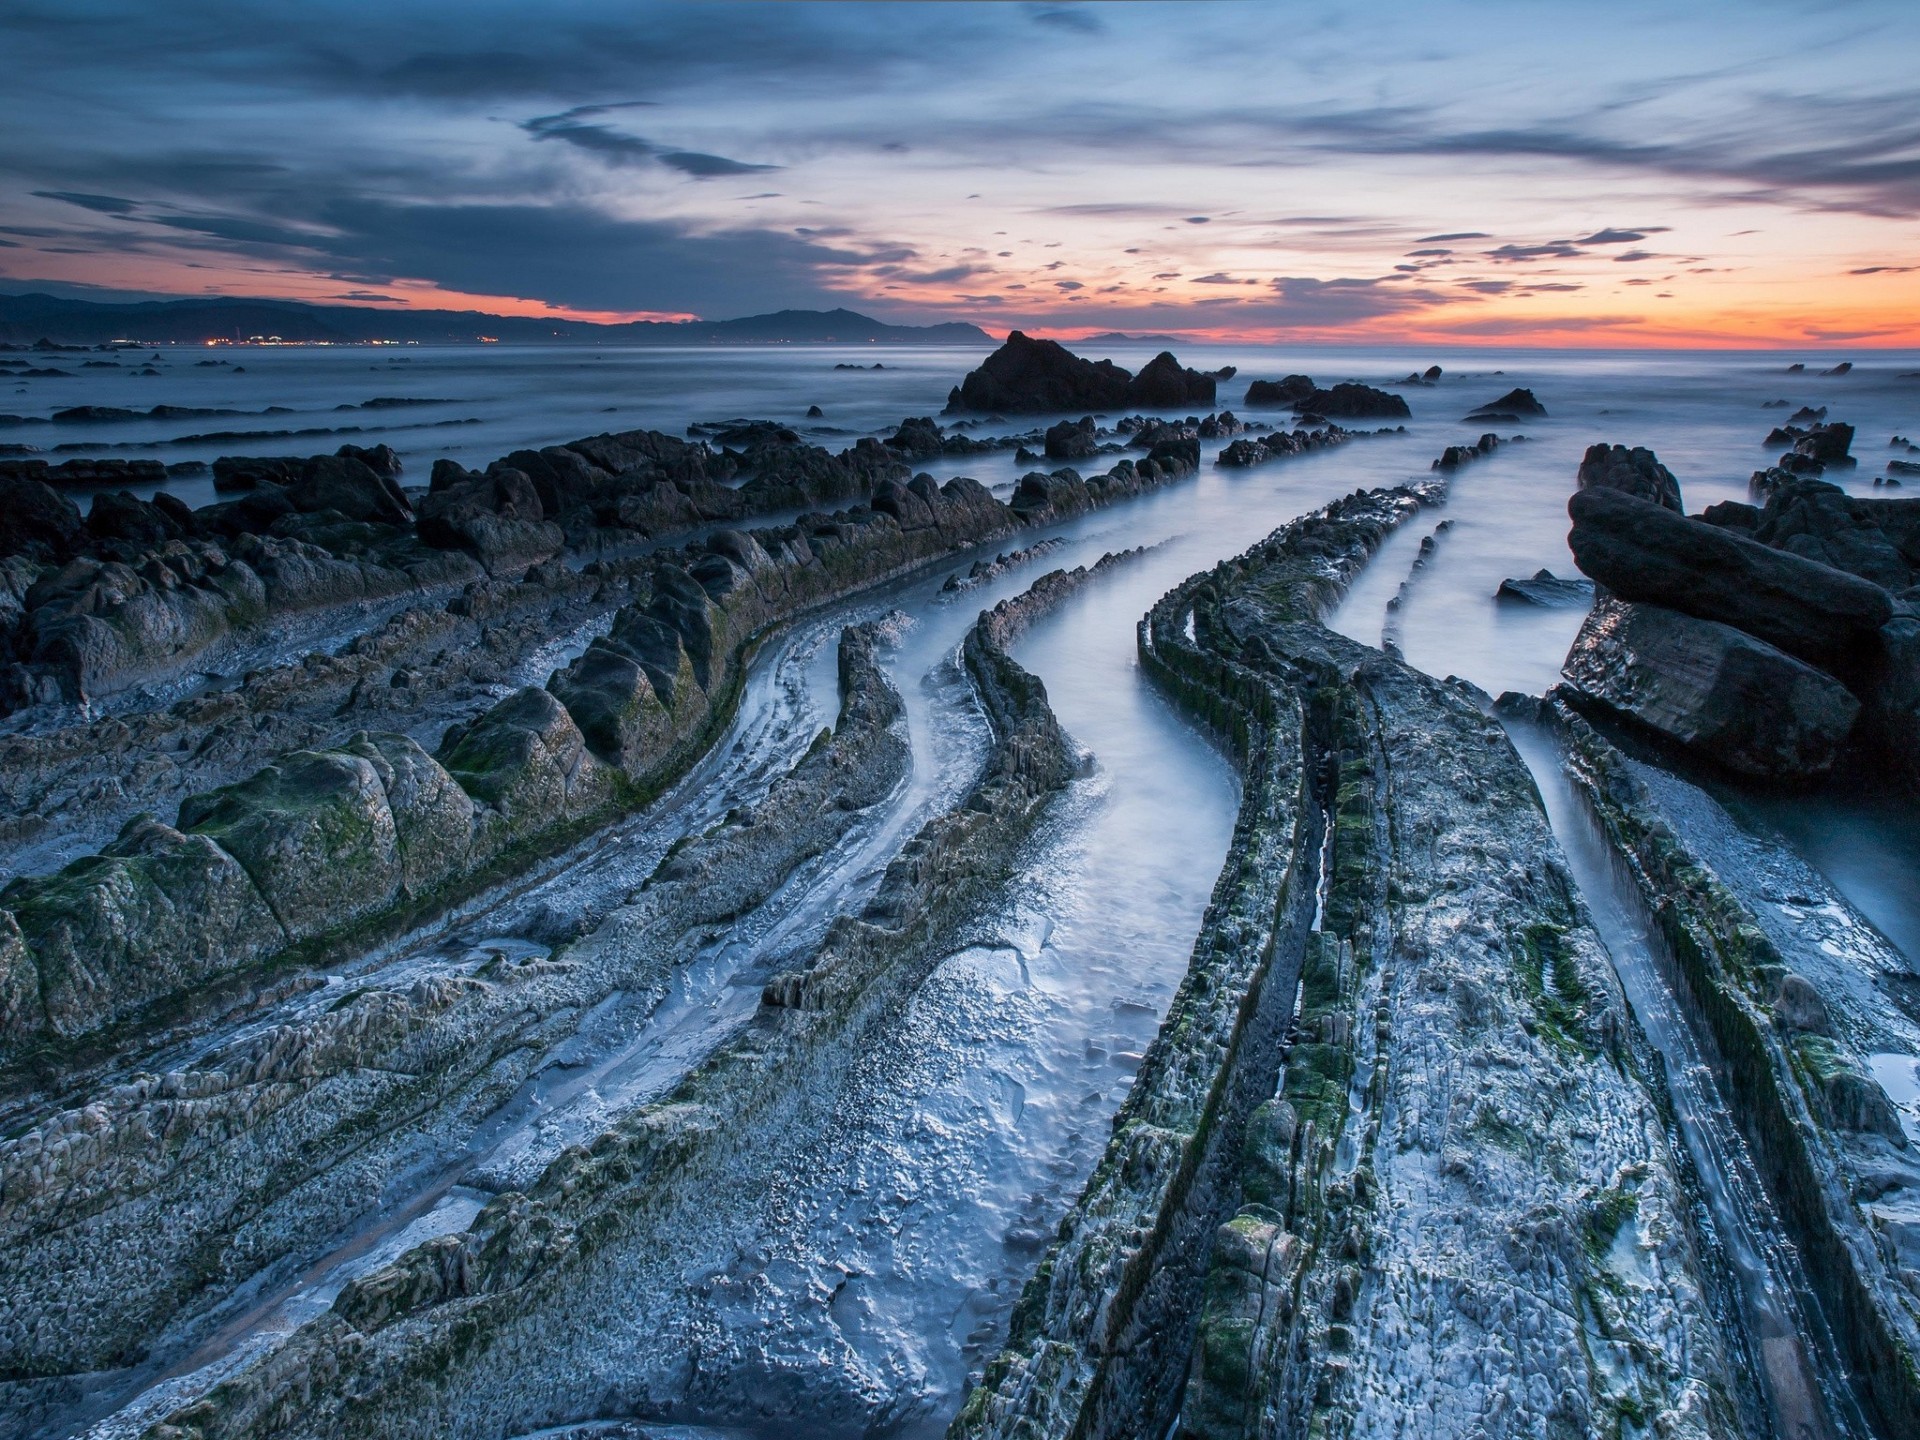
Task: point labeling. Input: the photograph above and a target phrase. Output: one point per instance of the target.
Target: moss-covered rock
(315, 832)
(153, 913)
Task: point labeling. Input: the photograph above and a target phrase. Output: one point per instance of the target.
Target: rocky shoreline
(1393, 945)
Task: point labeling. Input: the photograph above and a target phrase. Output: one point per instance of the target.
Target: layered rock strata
(1394, 1151)
(161, 1194)
(1808, 1009)
(1765, 641)
(492, 1328)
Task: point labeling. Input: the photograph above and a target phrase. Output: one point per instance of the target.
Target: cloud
(1066, 17)
(707, 167)
(1551, 250)
(104, 204)
(1455, 235)
(1621, 237)
(1884, 270)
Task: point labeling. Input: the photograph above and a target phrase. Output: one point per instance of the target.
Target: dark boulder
(1164, 383)
(1514, 405)
(1731, 699)
(1351, 401)
(1280, 392)
(1636, 472)
(1035, 376)
(121, 517)
(1176, 456)
(1645, 552)
(383, 460)
(1072, 440)
(917, 438)
(37, 521)
(1878, 540)
(352, 489)
(1830, 443)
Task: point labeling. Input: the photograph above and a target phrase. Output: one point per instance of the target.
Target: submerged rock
(1547, 590)
(1514, 405)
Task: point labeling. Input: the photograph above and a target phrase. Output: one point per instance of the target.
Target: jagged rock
(918, 438)
(1072, 440)
(315, 833)
(1547, 590)
(1637, 472)
(1830, 444)
(383, 460)
(1035, 376)
(1731, 699)
(136, 524)
(155, 912)
(1349, 400)
(1514, 405)
(1641, 551)
(1287, 392)
(38, 522)
(527, 761)
(1454, 456)
(1164, 383)
(1878, 540)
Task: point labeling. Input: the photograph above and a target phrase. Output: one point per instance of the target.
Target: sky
(1734, 174)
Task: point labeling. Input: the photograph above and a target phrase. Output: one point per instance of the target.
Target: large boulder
(155, 912)
(37, 521)
(1642, 551)
(122, 519)
(1878, 540)
(1830, 444)
(527, 763)
(1637, 472)
(315, 831)
(1072, 440)
(1351, 401)
(498, 516)
(610, 698)
(1036, 376)
(1164, 383)
(1281, 392)
(917, 436)
(348, 486)
(1729, 698)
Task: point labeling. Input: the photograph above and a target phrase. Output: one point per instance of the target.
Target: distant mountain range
(1117, 337)
(27, 318)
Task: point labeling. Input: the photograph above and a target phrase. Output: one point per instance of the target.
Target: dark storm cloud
(1066, 17)
(617, 147)
(707, 167)
(573, 256)
(104, 204)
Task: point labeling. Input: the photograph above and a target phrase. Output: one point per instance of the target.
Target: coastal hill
(27, 318)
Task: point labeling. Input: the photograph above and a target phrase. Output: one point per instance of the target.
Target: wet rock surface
(1307, 1220)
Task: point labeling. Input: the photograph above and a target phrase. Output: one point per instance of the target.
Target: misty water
(881, 1274)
